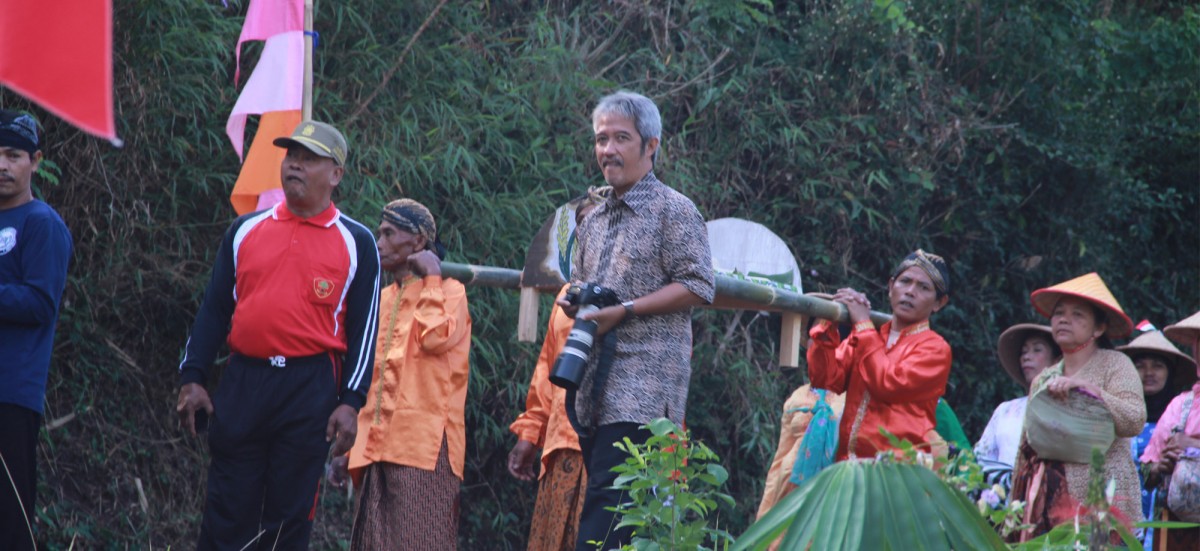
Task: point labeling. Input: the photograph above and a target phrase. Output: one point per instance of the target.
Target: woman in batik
(1083, 316)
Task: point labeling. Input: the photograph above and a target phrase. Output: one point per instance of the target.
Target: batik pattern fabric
(1043, 486)
(635, 244)
(403, 508)
(561, 490)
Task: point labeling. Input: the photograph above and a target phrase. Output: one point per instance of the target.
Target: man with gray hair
(647, 243)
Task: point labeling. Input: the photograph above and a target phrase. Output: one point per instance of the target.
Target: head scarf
(18, 131)
(414, 218)
(932, 265)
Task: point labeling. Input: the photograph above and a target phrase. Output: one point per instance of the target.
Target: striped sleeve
(362, 318)
(211, 327)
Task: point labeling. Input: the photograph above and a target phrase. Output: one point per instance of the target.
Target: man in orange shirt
(544, 424)
(892, 376)
(408, 459)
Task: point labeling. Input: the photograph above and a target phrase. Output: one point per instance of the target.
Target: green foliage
(673, 484)
(891, 502)
(964, 474)
(1026, 142)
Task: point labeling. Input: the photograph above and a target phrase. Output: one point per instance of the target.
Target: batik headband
(18, 131)
(414, 218)
(931, 264)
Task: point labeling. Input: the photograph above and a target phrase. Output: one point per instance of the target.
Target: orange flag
(59, 55)
(260, 172)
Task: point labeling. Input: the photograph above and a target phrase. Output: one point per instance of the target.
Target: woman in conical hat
(1167, 444)
(1025, 350)
(1083, 315)
(1165, 372)
(1187, 333)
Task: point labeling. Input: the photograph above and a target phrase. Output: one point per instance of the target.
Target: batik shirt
(636, 244)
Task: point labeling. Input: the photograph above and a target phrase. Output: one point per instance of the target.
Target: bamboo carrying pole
(732, 293)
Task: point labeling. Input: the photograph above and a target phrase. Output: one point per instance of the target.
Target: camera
(572, 362)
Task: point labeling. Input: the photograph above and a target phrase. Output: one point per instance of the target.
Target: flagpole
(309, 38)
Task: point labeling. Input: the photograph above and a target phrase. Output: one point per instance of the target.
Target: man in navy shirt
(35, 248)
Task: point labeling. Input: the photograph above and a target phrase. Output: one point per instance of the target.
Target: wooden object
(527, 316)
(790, 335)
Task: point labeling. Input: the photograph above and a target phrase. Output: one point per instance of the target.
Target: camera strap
(608, 349)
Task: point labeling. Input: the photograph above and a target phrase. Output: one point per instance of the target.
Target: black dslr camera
(572, 362)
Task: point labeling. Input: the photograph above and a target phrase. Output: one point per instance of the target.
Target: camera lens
(572, 362)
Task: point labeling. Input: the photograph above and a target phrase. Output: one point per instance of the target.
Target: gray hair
(637, 108)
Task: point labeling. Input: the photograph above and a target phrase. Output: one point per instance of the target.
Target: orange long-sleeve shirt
(900, 386)
(544, 422)
(419, 389)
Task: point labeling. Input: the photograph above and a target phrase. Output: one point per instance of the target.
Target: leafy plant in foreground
(673, 486)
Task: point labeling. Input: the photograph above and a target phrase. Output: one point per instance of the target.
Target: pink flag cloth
(59, 55)
(277, 84)
(267, 18)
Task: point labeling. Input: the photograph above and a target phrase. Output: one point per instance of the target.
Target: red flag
(59, 55)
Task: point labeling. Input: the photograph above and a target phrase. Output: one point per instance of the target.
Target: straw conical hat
(1092, 289)
(1009, 348)
(1186, 331)
(1182, 366)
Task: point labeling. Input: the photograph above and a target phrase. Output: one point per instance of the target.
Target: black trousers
(18, 475)
(596, 522)
(267, 438)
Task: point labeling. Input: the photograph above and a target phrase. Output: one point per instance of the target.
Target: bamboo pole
(483, 276)
(309, 38)
(732, 293)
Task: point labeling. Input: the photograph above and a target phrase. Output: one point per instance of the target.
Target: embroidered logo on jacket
(322, 287)
(8, 240)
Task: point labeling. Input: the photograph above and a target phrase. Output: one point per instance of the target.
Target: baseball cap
(320, 138)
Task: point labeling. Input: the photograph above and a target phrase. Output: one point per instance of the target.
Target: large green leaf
(875, 505)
